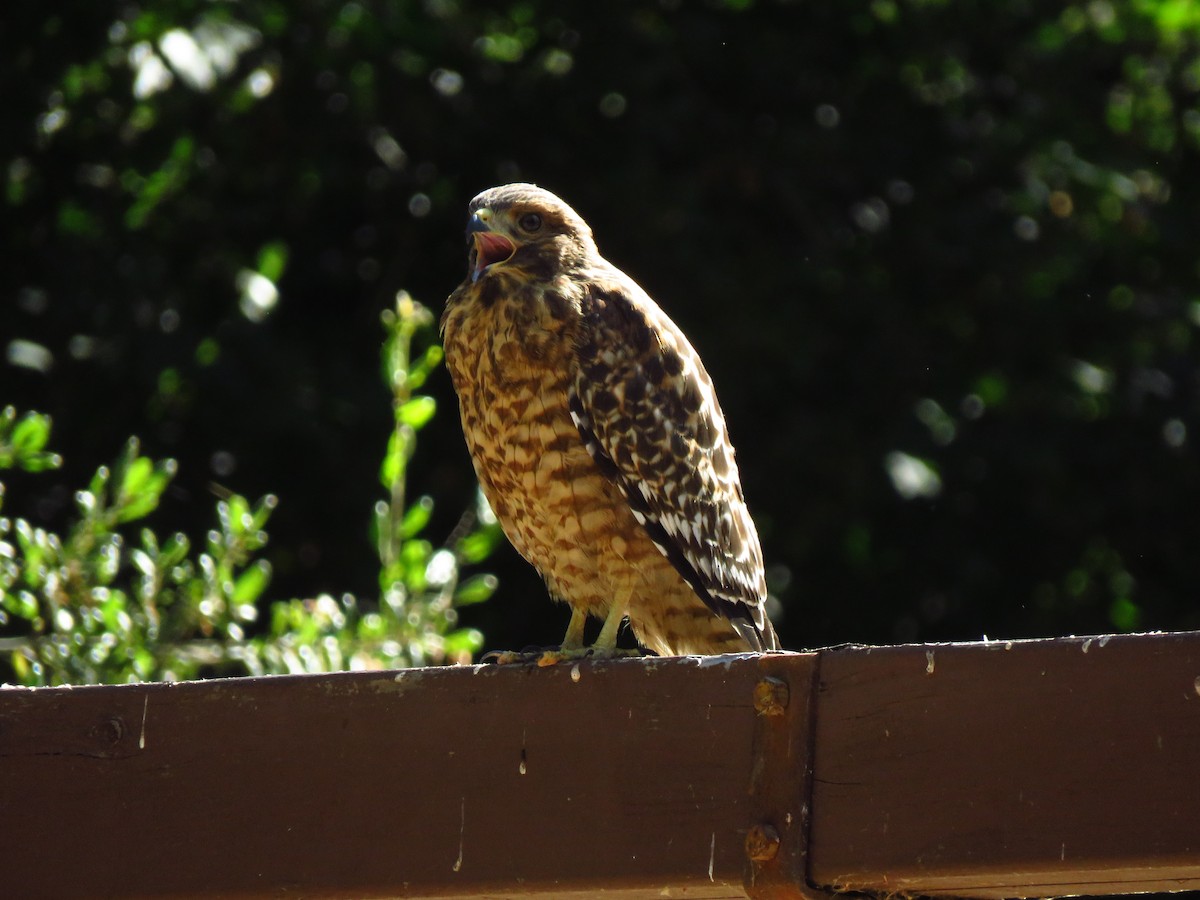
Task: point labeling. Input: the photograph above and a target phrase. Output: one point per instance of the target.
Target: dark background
(957, 240)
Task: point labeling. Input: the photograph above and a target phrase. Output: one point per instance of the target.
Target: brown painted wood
(781, 780)
(984, 770)
(627, 778)
(1010, 769)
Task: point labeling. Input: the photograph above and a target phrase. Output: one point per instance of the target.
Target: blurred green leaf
(30, 434)
(99, 481)
(262, 512)
(136, 476)
(1124, 615)
(476, 590)
(238, 516)
(22, 442)
(414, 559)
(417, 517)
(416, 412)
(162, 184)
(272, 260)
(395, 458)
(428, 361)
(141, 493)
(251, 583)
(143, 562)
(476, 547)
(464, 643)
(74, 220)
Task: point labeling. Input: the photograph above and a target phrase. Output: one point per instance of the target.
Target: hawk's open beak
(490, 247)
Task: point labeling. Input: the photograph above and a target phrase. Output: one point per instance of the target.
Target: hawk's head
(522, 228)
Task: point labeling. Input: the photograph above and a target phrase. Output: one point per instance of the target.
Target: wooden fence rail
(999, 769)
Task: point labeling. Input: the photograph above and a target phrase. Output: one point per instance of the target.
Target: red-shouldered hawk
(597, 436)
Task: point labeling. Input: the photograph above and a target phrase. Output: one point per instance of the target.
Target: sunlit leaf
(99, 481)
(142, 562)
(419, 370)
(414, 557)
(239, 517)
(272, 260)
(416, 412)
(142, 487)
(463, 642)
(477, 546)
(251, 583)
(395, 458)
(135, 476)
(417, 517)
(476, 590)
(262, 511)
(30, 434)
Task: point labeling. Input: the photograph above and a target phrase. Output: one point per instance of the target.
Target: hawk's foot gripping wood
(553, 656)
(563, 655)
(572, 648)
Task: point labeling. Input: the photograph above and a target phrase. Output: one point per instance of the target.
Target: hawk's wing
(646, 409)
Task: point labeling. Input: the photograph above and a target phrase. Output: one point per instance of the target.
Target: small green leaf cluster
(86, 607)
(420, 584)
(23, 442)
(100, 603)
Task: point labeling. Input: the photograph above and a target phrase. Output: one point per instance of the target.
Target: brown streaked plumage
(597, 436)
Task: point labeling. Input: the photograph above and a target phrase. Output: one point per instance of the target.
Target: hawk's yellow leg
(572, 647)
(573, 639)
(606, 642)
(605, 646)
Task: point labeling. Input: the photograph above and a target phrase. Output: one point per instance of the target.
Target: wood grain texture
(979, 770)
(1009, 769)
(627, 778)
(781, 781)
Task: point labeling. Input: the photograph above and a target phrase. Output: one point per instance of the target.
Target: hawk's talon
(512, 657)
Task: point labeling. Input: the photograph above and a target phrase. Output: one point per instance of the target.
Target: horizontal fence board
(1027, 768)
(628, 775)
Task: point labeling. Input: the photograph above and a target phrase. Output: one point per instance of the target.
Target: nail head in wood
(771, 697)
(762, 843)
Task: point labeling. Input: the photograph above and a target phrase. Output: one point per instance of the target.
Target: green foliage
(22, 442)
(419, 583)
(910, 238)
(87, 606)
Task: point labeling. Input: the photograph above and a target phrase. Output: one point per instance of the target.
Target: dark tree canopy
(940, 258)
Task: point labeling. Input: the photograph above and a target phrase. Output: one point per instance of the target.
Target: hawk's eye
(530, 222)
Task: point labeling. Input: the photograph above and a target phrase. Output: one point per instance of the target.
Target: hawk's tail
(759, 639)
